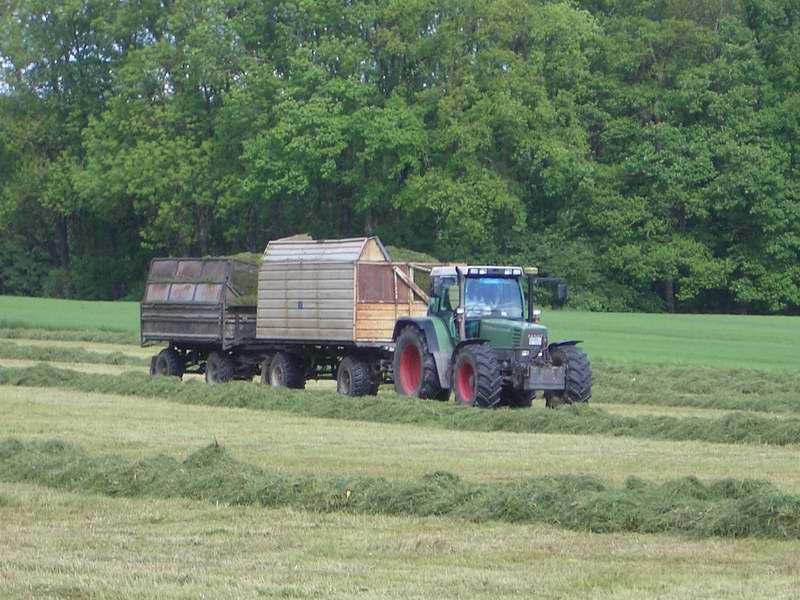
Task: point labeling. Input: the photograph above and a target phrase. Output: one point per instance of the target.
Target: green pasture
(50, 313)
(709, 340)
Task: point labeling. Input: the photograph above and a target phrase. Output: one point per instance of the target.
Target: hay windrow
(11, 330)
(696, 386)
(729, 508)
(71, 355)
(735, 428)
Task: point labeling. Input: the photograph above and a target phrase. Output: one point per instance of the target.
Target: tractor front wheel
(476, 376)
(414, 367)
(578, 386)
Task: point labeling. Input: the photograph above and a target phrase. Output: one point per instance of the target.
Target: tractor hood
(511, 335)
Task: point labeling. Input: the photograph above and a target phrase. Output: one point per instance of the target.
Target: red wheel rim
(465, 382)
(410, 369)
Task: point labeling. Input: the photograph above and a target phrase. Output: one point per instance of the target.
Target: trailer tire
(167, 363)
(414, 369)
(578, 386)
(219, 368)
(286, 370)
(353, 377)
(476, 376)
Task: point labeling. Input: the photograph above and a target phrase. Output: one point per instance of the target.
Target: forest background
(646, 150)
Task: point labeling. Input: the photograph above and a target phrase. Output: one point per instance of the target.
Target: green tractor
(481, 340)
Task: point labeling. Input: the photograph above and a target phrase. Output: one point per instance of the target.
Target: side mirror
(562, 293)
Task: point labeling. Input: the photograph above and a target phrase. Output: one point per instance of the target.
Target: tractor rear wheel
(286, 370)
(414, 367)
(167, 363)
(476, 376)
(353, 377)
(578, 386)
(219, 368)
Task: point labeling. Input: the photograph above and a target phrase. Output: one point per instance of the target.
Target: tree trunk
(63, 241)
(669, 293)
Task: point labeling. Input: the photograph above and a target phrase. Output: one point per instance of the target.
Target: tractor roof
(477, 270)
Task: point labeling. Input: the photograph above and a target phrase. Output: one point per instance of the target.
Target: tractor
(481, 340)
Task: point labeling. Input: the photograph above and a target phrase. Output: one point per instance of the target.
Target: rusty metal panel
(189, 269)
(163, 268)
(208, 293)
(156, 292)
(181, 292)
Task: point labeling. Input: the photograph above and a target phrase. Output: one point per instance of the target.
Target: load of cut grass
(698, 387)
(735, 428)
(731, 508)
(70, 355)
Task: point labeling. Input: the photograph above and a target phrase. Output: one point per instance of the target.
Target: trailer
(323, 309)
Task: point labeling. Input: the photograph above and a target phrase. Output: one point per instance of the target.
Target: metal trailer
(322, 309)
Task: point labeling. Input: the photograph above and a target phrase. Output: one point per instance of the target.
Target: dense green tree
(645, 149)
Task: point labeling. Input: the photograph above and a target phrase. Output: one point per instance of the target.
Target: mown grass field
(102, 494)
(703, 340)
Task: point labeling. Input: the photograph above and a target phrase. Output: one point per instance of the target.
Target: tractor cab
(486, 302)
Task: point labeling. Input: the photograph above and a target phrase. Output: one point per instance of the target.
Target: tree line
(647, 150)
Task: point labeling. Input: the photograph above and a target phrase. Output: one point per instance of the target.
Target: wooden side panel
(375, 322)
(306, 300)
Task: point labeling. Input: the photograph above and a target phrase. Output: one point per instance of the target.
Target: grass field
(81, 534)
(710, 340)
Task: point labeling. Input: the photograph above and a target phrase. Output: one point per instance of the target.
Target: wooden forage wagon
(346, 291)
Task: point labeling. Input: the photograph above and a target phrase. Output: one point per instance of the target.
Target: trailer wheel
(167, 363)
(414, 368)
(286, 370)
(353, 377)
(219, 368)
(476, 376)
(579, 376)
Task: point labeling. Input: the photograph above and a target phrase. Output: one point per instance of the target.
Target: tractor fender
(423, 324)
(559, 343)
(441, 356)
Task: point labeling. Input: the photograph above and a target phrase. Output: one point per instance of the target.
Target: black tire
(414, 369)
(579, 376)
(353, 377)
(153, 360)
(219, 368)
(476, 376)
(286, 370)
(518, 398)
(167, 363)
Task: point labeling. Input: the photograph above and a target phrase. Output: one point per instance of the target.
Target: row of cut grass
(10, 330)
(731, 508)
(735, 428)
(134, 426)
(69, 355)
(696, 387)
